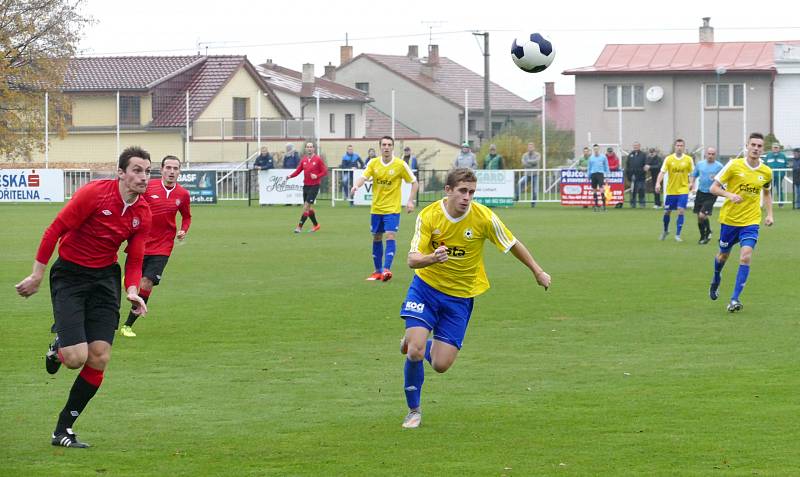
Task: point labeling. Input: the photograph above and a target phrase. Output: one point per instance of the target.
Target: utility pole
(487, 105)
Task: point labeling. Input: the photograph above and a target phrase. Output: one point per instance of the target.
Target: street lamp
(720, 71)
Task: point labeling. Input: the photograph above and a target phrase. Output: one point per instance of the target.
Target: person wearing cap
(796, 177)
(466, 158)
(409, 158)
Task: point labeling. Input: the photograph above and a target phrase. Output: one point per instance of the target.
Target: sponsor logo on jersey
(106, 212)
(414, 306)
(177, 202)
(135, 222)
(154, 196)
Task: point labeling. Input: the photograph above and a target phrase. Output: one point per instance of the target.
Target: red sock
(91, 375)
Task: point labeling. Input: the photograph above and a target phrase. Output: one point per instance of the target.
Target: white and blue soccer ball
(532, 54)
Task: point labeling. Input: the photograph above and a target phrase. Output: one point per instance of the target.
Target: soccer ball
(532, 54)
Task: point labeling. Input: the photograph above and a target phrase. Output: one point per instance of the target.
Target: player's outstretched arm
(419, 260)
(358, 183)
(523, 255)
(30, 284)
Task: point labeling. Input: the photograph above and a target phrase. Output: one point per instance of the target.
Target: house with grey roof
(429, 93)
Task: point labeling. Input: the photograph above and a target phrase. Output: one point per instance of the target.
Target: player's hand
(313, 176)
(138, 306)
(657, 188)
(180, 235)
(440, 254)
(410, 206)
(353, 191)
(543, 279)
(735, 198)
(769, 221)
(28, 286)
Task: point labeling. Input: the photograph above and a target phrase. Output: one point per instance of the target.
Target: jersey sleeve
(369, 171)
(664, 166)
(186, 211)
(323, 168)
(499, 234)
(422, 235)
(70, 217)
(408, 174)
(297, 171)
(724, 174)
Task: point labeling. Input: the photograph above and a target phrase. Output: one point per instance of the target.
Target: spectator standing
(635, 172)
(652, 164)
(530, 162)
(796, 177)
(466, 158)
(493, 159)
(292, 158)
(351, 160)
(776, 159)
(264, 160)
(370, 156)
(409, 158)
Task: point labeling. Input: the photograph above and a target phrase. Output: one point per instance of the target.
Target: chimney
(413, 52)
(706, 31)
(433, 55)
(549, 90)
(345, 54)
(330, 72)
(268, 64)
(308, 73)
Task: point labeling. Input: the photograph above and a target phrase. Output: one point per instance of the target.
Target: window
(349, 125)
(632, 96)
(471, 125)
(332, 122)
(129, 110)
(363, 87)
(240, 124)
(496, 127)
(725, 95)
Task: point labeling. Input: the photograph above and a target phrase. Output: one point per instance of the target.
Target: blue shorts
(447, 316)
(730, 235)
(385, 223)
(677, 201)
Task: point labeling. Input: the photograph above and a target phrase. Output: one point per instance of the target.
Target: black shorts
(85, 302)
(310, 193)
(704, 201)
(597, 180)
(153, 267)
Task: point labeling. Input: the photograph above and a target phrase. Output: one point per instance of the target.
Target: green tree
(512, 143)
(37, 39)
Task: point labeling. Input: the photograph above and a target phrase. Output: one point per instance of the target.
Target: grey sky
(293, 33)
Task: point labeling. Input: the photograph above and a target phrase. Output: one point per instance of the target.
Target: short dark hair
(172, 158)
(679, 140)
(461, 174)
(756, 135)
(128, 153)
(595, 145)
(386, 137)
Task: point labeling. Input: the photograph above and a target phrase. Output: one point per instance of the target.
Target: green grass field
(266, 353)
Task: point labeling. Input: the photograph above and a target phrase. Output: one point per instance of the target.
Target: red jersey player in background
(85, 279)
(166, 198)
(314, 169)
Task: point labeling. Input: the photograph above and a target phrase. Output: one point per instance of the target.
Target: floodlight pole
(720, 71)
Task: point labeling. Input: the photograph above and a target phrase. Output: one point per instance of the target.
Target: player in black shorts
(704, 172)
(85, 280)
(314, 169)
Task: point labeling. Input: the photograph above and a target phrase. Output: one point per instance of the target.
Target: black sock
(313, 216)
(303, 219)
(594, 194)
(79, 396)
(708, 227)
(702, 226)
(131, 317)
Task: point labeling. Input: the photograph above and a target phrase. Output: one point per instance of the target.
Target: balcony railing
(247, 129)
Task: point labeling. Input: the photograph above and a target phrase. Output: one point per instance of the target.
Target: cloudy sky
(311, 31)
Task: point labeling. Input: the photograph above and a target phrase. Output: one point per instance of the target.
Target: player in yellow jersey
(387, 176)
(679, 166)
(745, 183)
(447, 254)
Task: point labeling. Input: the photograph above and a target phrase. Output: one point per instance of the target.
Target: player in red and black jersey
(314, 169)
(85, 279)
(166, 198)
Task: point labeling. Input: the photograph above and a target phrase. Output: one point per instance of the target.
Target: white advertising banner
(31, 185)
(363, 195)
(495, 188)
(273, 188)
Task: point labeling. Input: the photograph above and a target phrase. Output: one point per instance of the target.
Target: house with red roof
(430, 93)
(707, 93)
(558, 109)
(149, 99)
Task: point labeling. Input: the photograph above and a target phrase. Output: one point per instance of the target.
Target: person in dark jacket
(292, 158)
(264, 160)
(652, 163)
(796, 177)
(634, 171)
(350, 160)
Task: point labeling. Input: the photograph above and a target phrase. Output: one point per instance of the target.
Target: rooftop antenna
(431, 25)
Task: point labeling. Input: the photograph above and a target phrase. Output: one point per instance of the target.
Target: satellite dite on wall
(654, 94)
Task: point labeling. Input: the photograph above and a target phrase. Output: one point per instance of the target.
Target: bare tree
(37, 39)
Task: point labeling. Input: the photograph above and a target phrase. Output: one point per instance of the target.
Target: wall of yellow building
(94, 110)
(242, 85)
(146, 109)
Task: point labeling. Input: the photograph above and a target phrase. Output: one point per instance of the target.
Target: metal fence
(229, 129)
(74, 179)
